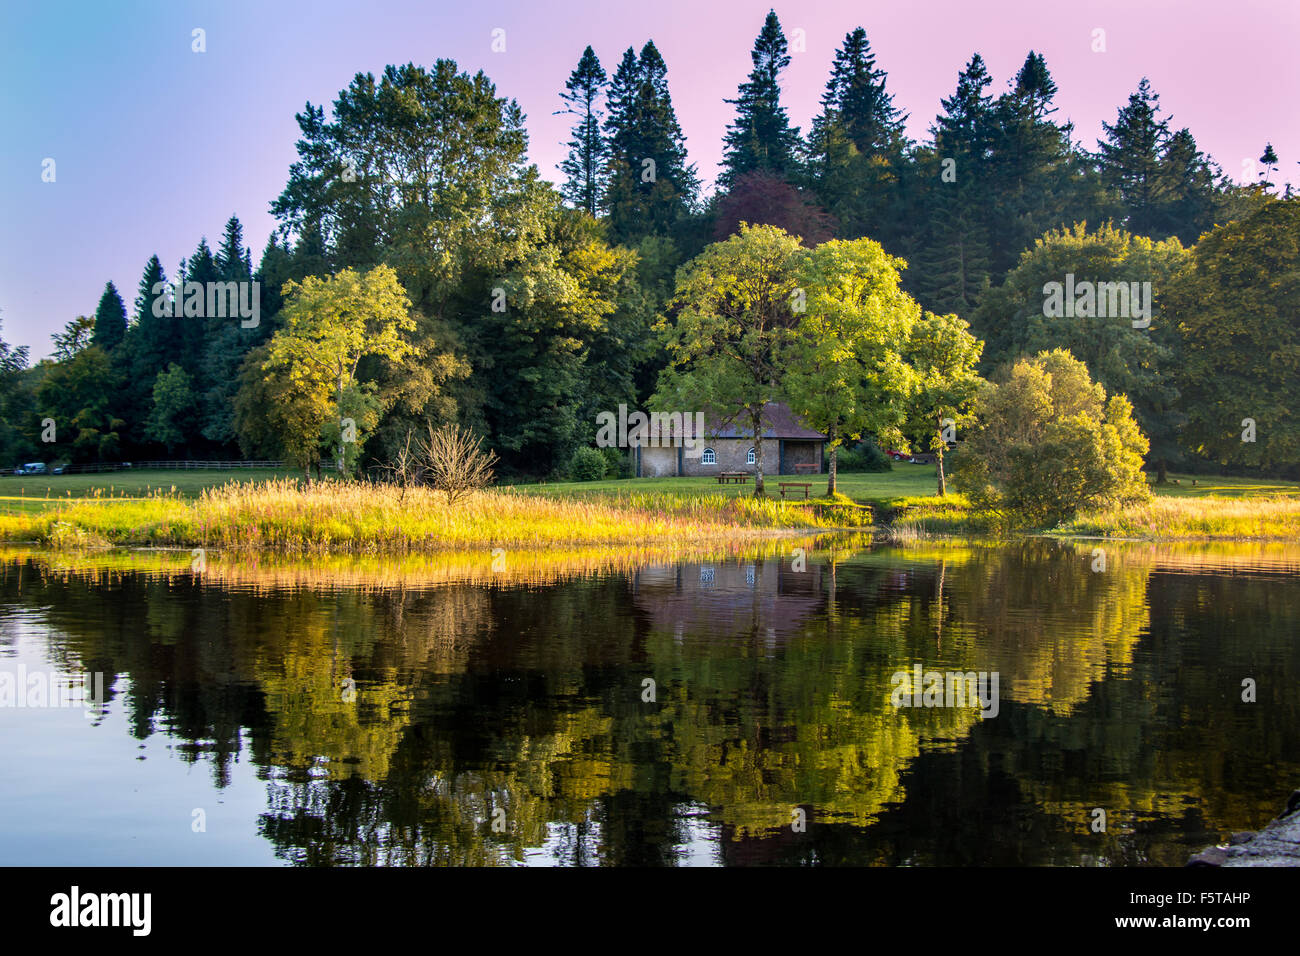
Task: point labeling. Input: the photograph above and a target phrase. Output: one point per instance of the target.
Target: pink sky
(157, 145)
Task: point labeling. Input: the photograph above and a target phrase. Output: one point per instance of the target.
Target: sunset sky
(156, 145)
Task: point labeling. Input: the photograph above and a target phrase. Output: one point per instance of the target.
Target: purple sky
(156, 145)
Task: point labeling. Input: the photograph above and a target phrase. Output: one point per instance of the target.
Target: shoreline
(281, 516)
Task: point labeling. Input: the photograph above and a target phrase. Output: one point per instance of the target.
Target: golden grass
(1173, 519)
(370, 518)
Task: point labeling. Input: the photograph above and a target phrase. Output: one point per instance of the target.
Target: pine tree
(953, 256)
(192, 331)
(110, 319)
(964, 131)
(857, 150)
(1131, 160)
(760, 137)
(1269, 160)
(1194, 195)
(952, 264)
(151, 343)
(225, 342)
(585, 165)
(856, 101)
(651, 185)
(1038, 180)
(232, 258)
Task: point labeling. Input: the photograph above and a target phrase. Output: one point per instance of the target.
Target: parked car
(58, 469)
(31, 468)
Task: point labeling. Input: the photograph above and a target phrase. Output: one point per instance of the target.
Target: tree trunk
(757, 419)
(339, 407)
(942, 446)
(1162, 471)
(830, 484)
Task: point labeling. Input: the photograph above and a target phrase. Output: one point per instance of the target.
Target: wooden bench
(738, 477)
(805, 485)
(808, 468)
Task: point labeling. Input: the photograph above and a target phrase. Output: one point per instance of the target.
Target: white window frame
(752, 457)
(708, 457)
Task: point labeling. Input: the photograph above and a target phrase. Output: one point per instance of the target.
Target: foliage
(762, 198)
(652, 185)
(173, 418)
(843, 366)
(734, 319)
(587, 464)
(329, 326)
(761, 138)
(584, 167)
(942, 355)
(1049, 443)
(1140, 362)
(1235, 310)
(865, 456)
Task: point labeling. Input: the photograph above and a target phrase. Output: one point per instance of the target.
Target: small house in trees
(789, 447)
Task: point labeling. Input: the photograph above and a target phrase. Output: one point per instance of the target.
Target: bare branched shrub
(403, 470)
(451, 461)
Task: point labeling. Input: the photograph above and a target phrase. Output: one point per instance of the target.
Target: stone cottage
(729, 446)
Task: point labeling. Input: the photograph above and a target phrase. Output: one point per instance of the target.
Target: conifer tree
(110, 319)
(585, 165)
(761, 138)
(1131, 160)
(856, 150)
(651, 184)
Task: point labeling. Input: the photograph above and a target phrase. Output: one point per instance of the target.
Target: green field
(29, 493)
(879, 488)
(888, 488)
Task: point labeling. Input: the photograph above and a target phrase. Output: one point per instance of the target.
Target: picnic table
(738, 477)
(786, 485)
(808, 468)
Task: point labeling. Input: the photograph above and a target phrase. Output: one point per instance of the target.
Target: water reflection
(592, 708)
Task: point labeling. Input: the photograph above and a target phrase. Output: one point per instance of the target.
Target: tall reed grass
(359, 517)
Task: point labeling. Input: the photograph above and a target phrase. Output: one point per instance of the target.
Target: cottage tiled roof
(778, 422)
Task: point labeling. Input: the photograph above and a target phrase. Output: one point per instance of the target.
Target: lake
(822, 702)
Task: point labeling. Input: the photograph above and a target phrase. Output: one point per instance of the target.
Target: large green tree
(17, 411)
(843, 369)
(110, 319)
(857, 148)
(1235, 309)
(1050, 443)
(1126, 343)
(734, 316)
(942, 356)
(329, 326)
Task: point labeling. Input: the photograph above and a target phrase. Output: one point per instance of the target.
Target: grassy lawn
(888, 488)
(163, 508)
(905, 481)
(23, 494)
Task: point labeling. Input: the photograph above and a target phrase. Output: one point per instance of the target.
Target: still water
(588, 709)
